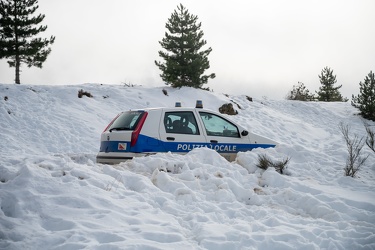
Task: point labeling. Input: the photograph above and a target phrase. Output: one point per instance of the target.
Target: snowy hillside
(54, 196)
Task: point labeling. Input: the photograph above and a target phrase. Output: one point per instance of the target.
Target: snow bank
(54, 196)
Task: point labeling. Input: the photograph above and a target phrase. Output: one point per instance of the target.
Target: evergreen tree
(18, 31)
(185, 63)
(365, 101)
(328, 92)
(300, 93)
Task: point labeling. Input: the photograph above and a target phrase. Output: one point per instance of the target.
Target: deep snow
(54, 196)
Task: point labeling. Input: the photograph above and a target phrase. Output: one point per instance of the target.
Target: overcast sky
(259, 48)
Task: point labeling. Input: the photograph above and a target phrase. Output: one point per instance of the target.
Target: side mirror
(244, 133)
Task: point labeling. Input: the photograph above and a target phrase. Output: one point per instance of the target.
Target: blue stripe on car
(149, 144)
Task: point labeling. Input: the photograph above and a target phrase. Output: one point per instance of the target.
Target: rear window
(126, 121)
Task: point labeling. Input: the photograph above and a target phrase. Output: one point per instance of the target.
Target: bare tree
(354, 145)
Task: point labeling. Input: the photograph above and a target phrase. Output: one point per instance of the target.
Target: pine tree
(18, 31)
(185, 63)
(327, 92)
(300, 93)
(365, 101)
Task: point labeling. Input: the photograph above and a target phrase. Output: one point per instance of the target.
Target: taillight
(137, 130)
(114, 119)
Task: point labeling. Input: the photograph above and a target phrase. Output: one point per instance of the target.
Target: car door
(223, 135)
(180, 132)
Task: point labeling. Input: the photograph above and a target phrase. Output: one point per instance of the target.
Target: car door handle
(214, 141)
(170, 138)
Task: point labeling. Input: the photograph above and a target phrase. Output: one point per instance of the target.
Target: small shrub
(264, 162)
(206, 89)
(354, 145)
(81, 93)
(129, 85)
(300, 93)
(280, 165)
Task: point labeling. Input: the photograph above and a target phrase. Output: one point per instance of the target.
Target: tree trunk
(18, 64)
(18, 59)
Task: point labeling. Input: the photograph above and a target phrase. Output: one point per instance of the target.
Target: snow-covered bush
(264, 162)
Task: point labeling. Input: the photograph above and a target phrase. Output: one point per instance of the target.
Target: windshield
(126, 121)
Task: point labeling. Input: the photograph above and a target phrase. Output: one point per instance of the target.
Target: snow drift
(54, 196)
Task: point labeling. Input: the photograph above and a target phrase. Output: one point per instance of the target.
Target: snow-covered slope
(54, 196)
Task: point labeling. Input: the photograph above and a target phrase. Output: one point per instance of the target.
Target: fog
(259, 48)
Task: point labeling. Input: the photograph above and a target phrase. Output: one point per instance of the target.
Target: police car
(142, 132)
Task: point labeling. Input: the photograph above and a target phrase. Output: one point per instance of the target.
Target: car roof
(173, 109)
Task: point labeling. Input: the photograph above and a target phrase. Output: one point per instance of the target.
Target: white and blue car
(141, 132)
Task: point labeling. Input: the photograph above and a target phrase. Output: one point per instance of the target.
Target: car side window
(180, 122)
(218, 126)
